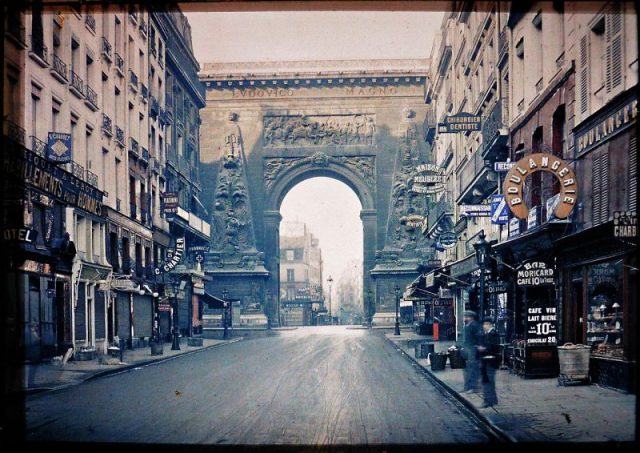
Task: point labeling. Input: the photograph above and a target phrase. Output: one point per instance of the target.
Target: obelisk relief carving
(232, 237)
(404, 239)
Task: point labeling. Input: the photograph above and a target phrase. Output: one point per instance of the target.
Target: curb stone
(124, 369)
(498, 432)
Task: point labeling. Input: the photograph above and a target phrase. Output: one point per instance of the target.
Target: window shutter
(584, 74)
(614, 55)
(633, 173)
(600, 178)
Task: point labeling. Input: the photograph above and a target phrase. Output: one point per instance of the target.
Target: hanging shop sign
(26, 167)
(542, 322)
(535, 273)
(475, 210)
(59, 147)
(448, 239)
(514, 183)
(625, 224)
(174, 258)
(499, 210)
(502, 167)
(613, 124)
(462, 122)
(496, 287)
(430, 179)
(413, 221)
(170, 202)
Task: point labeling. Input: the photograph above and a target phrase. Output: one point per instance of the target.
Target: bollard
(121, 345)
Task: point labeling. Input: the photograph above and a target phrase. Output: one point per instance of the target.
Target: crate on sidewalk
(574, 363)
(422, 350)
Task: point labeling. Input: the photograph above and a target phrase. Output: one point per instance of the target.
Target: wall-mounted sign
(26, 235)
(448, 239)
(533, 217)
(475, 210)
(514, 227)
(163, 306)
(496, 287)
(59, 147)
(174, 258)
(535, 273)
(514, 183)
(502, 167)
(170, 202)
(542, 321)
(26, 167)
(412, 221)
(462, 122)
(499, 210)
(617, 121)
(430, 179)
(625, 224)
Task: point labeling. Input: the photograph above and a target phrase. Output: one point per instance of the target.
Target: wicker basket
(574, 363)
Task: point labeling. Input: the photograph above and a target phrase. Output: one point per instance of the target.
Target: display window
(605, 308)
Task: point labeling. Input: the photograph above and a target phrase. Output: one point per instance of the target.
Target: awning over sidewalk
(211, 301)
(417, 290)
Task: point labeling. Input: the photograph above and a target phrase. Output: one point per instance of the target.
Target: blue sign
(59, 148)
(499, 210)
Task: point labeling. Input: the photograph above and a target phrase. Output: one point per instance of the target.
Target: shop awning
(417, 290)
(211, 301)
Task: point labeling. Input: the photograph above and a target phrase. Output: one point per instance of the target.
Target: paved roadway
(312, 386)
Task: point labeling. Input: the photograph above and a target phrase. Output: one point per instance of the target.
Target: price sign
(542, 321)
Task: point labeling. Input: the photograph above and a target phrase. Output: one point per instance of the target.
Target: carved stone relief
(318, 130)
(363, 166)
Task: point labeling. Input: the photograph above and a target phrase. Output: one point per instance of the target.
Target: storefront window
(605, 310)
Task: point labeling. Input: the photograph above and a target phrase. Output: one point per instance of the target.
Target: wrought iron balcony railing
(133, 80)
(119, 64)
(92, 178)
(92, 97)
(119, 136)
(145, 154)
(107, 126)
(144, 91)
(90, 21)
(107, 50)
(77, 84)
(77, 170)
(39, 50)
(16, 133)
(134, 147)
(59, 67)
(38, 146)
(154, 107)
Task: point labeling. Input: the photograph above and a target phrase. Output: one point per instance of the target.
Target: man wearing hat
(472, 339)
(489, 353)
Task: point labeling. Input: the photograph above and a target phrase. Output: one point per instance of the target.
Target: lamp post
(175, 341)
(482, 257)
(225, 323)
(396, 290)
(370, 308)
(330, 281)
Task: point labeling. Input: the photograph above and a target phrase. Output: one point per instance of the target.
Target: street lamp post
(396, 289)
(225, 323)
(330, 281)
(482, 254)
(370, 308)
(175, 341)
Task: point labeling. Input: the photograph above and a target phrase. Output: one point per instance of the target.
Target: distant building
(300, 275)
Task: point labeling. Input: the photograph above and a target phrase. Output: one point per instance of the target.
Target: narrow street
(313, 386)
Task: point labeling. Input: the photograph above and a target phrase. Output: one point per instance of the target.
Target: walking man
(489, 353)
(472, 339)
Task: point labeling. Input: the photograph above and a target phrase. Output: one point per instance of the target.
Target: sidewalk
(51, 376)
(539, 409)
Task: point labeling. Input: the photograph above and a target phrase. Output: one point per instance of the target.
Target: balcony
(476, 180)
(441, 213)
(16, 133)
(133, 81)
(154, 108)
(38, 146)
(503, 47)
(92, 178)
(494, 135)
(77, 170)
(107, 127)
(143, 28)
(90, 22)
(119, 64)
(77, 85)
(107, 50)
(429, 125)
(120, 137)
(168, 117)
(59, 69)
(145, 155)
(144, 92)
(39, 52)
(91, 98)
(134, 148)
(16, 33)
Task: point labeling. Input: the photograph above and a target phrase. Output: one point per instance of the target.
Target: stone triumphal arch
(268, 126)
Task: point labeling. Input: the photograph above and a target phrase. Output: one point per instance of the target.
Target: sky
(331, 211)
(317, 35)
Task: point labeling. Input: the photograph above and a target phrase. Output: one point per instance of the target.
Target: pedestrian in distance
(489, 353)
(472, 339)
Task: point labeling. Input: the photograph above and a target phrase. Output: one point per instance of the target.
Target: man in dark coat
(472, 339)
(489, 356)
